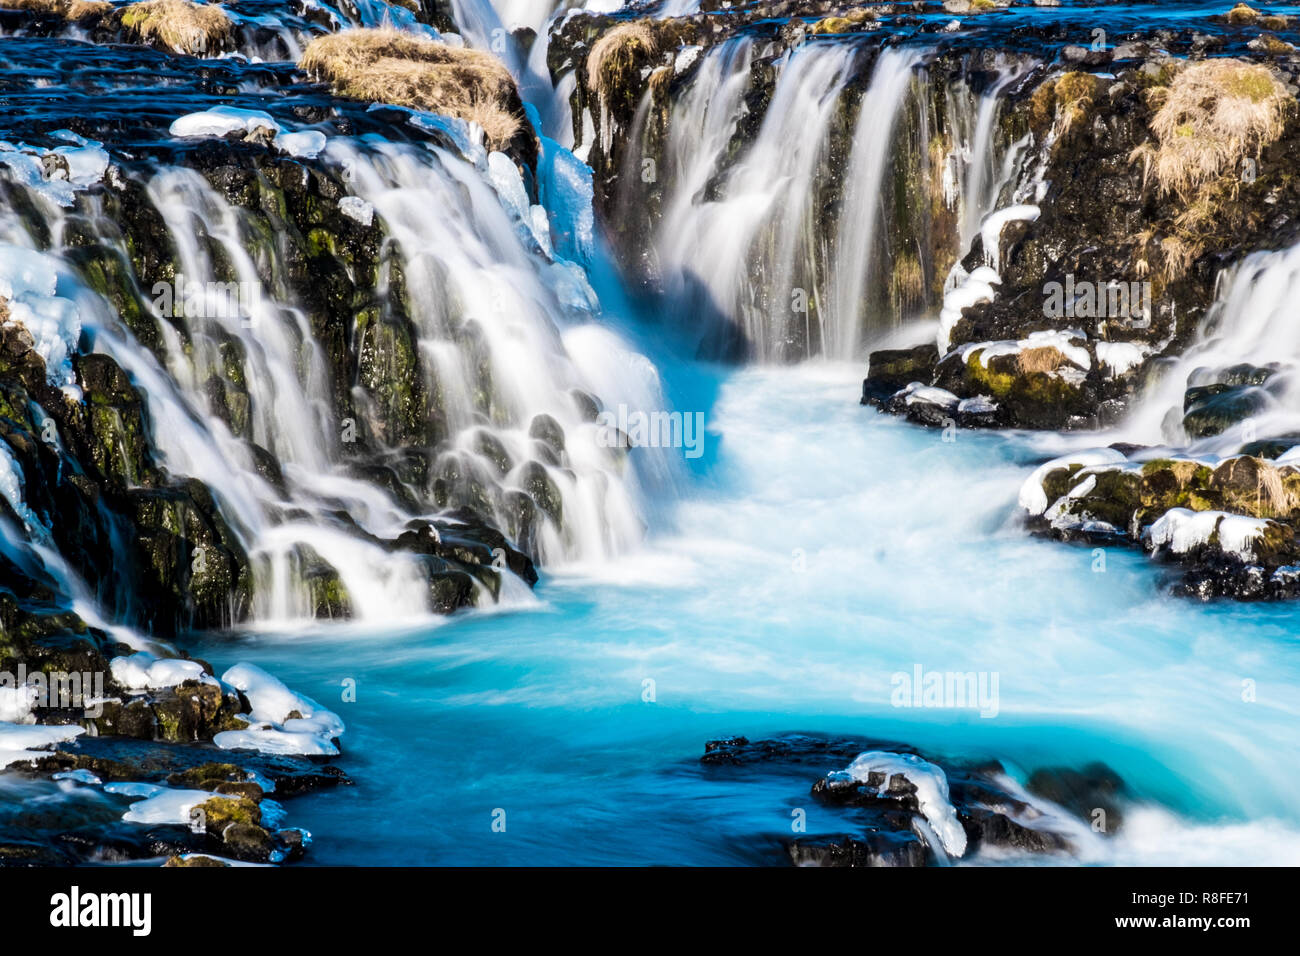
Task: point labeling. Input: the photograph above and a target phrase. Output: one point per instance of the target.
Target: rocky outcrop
(1110, 268)
(1229, 528)
(894, 807)
(223, 805)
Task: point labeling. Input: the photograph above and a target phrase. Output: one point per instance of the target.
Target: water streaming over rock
(477, 360)
(833, 218)
(1249, 342)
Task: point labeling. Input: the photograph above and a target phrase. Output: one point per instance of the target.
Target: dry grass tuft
(1212, 117)
(1276, 498)
(616, 53)
(179, 25)
(73, 10)
(1271, 44)
(390, 66)
(845, 22)
(1064, 102)
(1242, 13)
(1045, 358)
(907, 281)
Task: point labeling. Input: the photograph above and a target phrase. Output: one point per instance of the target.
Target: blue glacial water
(817, 549)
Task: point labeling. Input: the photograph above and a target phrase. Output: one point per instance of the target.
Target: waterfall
(507, 338)
(978, 171)
(746, 254)
(835, 217)
(854, 266)
(1251, 322)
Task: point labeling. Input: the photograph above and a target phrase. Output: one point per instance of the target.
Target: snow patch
(1032, 496)
(273, 726)
(1183, 530)
(222, 121)
(931, 791)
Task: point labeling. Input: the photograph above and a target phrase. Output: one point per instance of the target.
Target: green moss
(1034, 388)
(222, 812)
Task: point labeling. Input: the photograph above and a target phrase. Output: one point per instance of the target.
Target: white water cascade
(706, 247)
(1252, 321)
(854, 267)
(509, 335)
(748, 239)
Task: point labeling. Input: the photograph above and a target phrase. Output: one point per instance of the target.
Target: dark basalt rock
(1125, 500)
(883, 815)
(85, 825)
(1213, 409)
(891, 369)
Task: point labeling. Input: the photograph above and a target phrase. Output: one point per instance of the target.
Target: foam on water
(825, 549)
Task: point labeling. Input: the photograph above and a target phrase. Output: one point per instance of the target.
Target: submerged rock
(895, 807)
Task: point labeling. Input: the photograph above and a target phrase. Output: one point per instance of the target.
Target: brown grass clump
(1271, 44)
(907, 281)
(390, 66)
(1242, 13)
(617, 53)
(1045, 358)
(74, 10)
(1065, 101)
(1211, 118)
(1277, 499)
(846, 21)
(179, 26)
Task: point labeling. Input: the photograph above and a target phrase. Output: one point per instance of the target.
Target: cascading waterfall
(1251, 322)
(707, 248)
(507, 340)
(803, 259)
(517, 303)
(978, 169)
(854, 267)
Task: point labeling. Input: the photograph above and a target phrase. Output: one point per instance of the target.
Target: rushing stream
(777, 569)
(907, 558)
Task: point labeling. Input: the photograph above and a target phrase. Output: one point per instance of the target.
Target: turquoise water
(816, 549)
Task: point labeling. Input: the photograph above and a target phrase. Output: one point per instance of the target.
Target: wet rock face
(93, 485)
(894, 817)
(155, 546)
(81, 821)
(1108, 258)
(1228, 529)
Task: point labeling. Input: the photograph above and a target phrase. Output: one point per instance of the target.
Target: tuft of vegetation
(1271, 44)
(1242, 13)
(845, 22)
(179, 26)
(1063, 103)
(75, 11)
(907, 281)
(1210, 118)
(1045, 358)
(389, 66)
(618, 53)
(1208, 122)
